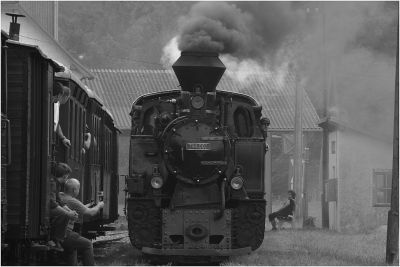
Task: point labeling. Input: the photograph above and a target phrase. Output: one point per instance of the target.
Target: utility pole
(325, 135)
(306, 159)
(392, 241)
(298, 149)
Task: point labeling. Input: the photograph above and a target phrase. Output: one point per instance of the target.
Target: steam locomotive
(29, 148)
(196, 167)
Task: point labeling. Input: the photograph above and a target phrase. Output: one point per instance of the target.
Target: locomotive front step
(197, 252)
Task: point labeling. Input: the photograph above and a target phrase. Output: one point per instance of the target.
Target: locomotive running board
(197, 252)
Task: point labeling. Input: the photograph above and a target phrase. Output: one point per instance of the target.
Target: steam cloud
(347, 47)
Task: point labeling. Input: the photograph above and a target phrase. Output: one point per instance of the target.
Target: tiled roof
(120, 87)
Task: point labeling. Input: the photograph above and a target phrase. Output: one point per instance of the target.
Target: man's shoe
(38, 246)
(55, 246)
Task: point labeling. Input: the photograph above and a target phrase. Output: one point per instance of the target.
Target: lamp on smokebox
(14, 26)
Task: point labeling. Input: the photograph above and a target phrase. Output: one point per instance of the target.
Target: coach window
(72, 128)
(93, 150)
(99, 143)
(75, 143)
(107, 148)
(382, 180)
(80, 134)
(83, 125)
(77, 137)
(96, 134)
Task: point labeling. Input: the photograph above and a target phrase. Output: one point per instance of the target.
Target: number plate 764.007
(198, 146)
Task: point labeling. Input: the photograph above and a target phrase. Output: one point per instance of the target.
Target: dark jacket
(288, 209)
(55, 189)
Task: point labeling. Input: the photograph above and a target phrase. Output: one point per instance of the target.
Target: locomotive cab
(196, 183)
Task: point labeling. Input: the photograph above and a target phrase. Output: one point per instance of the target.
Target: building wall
(45, 13)
(36, 29)
(358, 156)
(333, 174)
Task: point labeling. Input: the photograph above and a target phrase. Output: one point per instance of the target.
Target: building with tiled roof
(120, 87)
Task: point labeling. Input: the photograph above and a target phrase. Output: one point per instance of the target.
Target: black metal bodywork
(196, 140)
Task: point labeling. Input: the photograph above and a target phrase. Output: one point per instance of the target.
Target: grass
(118, 254)
(286, 247)
(317, 247)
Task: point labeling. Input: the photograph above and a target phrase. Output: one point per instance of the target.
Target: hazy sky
(347, 47)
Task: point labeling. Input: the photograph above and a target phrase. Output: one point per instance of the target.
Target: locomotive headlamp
(237, 182)
(157, 182)
(197, 102)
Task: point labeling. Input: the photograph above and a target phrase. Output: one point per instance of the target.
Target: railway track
(111, 237)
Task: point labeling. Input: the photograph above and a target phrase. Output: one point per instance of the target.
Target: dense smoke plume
(249, 36)
(219, 27)
(243, 30)
(347, 48)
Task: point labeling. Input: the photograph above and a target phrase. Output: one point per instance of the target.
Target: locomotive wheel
(248, 224)
(144, 223)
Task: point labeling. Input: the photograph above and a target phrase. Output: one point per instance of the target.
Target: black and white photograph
(205, 133)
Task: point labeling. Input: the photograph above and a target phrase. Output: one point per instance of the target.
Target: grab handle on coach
(6, 141)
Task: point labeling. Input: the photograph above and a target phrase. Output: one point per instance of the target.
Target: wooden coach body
(29, 147)
(95, 168)
(29, 109)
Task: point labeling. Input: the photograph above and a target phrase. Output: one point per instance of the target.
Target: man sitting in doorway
(59, 213)
(286, 212)
(73, 241)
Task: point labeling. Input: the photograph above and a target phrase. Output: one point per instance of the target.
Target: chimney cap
(14, 16)
(199, 53)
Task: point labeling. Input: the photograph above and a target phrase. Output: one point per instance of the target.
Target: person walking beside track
(73, 241)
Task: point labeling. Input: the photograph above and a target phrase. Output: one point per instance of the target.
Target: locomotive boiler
(196, 167)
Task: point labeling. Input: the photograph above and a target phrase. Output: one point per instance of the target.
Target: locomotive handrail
(239, 94)
(137, 100)
(221, 211)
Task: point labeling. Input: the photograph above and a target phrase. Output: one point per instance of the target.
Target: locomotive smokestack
(201, 70)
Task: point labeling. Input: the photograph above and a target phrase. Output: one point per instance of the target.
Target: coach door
(106, 171)
(94, 162)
